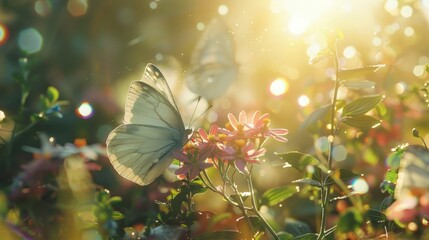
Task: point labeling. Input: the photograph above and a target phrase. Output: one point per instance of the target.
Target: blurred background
(91, 51)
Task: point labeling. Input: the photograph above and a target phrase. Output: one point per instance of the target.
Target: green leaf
(103, 196)
(388, 186)
(387, 201)
(361, 105)
(196, 187)
(296, 228)
(359, 84)
(114, 199)
(117, 215)
(381, 109)
(309, 181)
(307, 236)
(277, 195)
(315, 116)
(243, 226)
(358, 72)
(342, 174)
(391, 176)
(52, 94)
(285, 236)
(44, 102)
(227, 235)
(394, 159)
(377, 218)
(243, 195)
(324, 54)
(363, 122)
(350, 220)
(298, 160)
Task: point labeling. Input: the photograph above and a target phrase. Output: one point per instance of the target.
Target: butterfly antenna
(192, 121)
(195, 109)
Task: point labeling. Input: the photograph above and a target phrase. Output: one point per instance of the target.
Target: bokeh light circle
(85, 111)
(4, 34)
(279, 87)
(359, 185)
(30, 40)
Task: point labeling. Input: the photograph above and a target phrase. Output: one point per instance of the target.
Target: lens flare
(360, 185)
(85, 111)
(4, 34)
(303, 100)
(223, 10)
(2, 115)
(279, 87)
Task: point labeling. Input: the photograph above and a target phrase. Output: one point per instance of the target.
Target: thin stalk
(325, 190)
(241, 205)
(255, 208)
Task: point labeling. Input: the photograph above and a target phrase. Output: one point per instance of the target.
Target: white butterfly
(413, 172)
(141, 149)
(213, 62)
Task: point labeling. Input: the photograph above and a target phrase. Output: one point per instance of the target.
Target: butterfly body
(141, 148)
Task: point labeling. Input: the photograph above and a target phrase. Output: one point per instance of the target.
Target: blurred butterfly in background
(413, 173)
(213, 66)
(141, 148)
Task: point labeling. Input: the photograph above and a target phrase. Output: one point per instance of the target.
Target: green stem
(255, 208)
(241, 205)
(325, 190)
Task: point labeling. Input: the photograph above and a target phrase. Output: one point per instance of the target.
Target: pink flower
(240, 128)
(261, 123)
(212, 136)
(243, 153)
(193, 159)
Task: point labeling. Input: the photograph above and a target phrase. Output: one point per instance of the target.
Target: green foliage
(358, 84)
(350, 220)
(296, 227)
(361, 105)
(394, 159)
(358, 72)
(309, 181)
(176, 210)
(103, 209)
(315, 116)
(252, 231)
(228, 235)
(363, 122)
(298, 160)
(277, 195)
(307, 236)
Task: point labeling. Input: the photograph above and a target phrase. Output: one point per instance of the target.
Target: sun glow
(279, 86)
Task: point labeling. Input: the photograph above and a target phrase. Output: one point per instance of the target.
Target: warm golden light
(349, 52)
(406, 11)
(223, 10)
(303, 101)
(279, 86)
(419, 70)
(298, 24)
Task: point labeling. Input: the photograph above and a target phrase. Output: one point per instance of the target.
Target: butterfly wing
(213, 62)
(141, 148)
(141, 153)
(414, 171)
